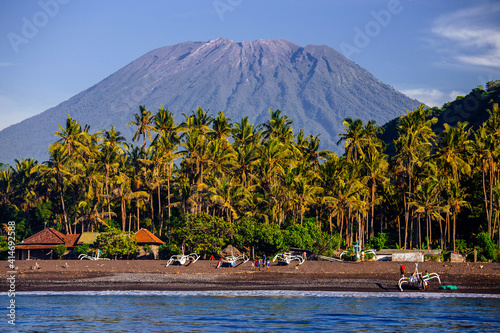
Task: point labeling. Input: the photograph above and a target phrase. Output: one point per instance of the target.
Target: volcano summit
(315, 86)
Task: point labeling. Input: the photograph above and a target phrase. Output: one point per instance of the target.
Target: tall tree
(143, 121)
(413, 146)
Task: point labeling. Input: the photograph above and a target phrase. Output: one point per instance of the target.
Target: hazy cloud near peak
(472, 35)
(432, 97)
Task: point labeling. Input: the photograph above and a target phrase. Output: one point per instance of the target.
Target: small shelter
(230, 250)
(40, 245)
(88, 238)
(145, 237)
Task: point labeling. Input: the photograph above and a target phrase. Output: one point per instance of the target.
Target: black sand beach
(86, 275)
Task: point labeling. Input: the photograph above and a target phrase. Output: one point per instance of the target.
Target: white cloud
(432, 97)
(472, 35)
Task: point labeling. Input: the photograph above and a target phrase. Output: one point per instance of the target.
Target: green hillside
(471, 108)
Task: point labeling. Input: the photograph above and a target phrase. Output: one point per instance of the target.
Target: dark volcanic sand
(86, 275)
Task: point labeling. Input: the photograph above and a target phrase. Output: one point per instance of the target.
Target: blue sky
(431, 50)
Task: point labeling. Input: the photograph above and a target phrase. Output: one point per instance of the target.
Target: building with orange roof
(145, 239)
(40, 245)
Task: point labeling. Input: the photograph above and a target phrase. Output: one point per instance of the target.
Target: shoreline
(128, 275)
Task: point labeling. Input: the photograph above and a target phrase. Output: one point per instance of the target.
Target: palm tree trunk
(137, 204)
(447, 229)
(419, 233)
(160, 211)
(454, 229)
(341, 226)
(151, 205)
(107, 193)
(64, 213)
(372, 231)
(428, 232)
(485, 197)
(124, 213)
(441, 234)
(406, 229)
(491, 199)
(169, 174)
(399, 231)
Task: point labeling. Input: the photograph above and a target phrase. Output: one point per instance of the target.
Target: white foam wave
(258, 293)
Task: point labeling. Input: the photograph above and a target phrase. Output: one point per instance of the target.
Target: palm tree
(70, 135)
(413, 146)
(453, 158)
(306, 192)
(278, 127)
(198, 121)
(427, 200)
(166, 144)
(113, 140)
(353, 138)
(311, 152)
(226, 193)
(245, 163)
(487, 149)
(57, 166)
(456, 199)
(454, 148)
(6, 185)
(375, 172)
(222, 128)
(143, 122)
(373, 144)
(245, 134)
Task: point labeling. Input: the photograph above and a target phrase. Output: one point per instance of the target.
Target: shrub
(115, 243)
(378, 242)
(59, 250)
(326, 244)
(167, 250)
(485, 247)
(264, 238)
(369, 256)
(204, 234)
(461, 246)
(3, 248)
(81, 249)
(147, 248)
(302, 236)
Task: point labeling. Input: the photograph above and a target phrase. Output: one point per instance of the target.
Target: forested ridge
(208, 182)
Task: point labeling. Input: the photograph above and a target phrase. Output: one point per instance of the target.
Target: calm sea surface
(251, 311)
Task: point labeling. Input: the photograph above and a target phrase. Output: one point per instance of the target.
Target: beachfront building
(40, 245)
(148, 243)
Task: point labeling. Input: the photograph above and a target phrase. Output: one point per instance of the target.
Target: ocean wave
(258, 293)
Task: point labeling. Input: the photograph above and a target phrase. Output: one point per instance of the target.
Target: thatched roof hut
(230, 250)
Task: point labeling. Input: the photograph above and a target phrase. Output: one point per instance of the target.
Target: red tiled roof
(48, 238)
(71, 239)
(144, 236)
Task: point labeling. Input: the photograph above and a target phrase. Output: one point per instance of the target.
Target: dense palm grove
(210, 181)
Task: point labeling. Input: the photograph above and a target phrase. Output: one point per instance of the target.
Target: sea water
(251, 311)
